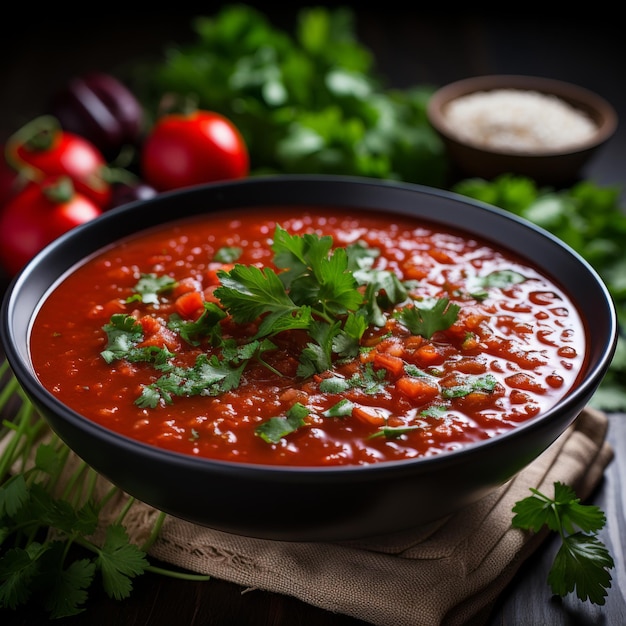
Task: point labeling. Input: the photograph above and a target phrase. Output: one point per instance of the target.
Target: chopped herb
(124, 332)
(274, 429)
(150, 286)
(469, 385)
(228, 254)
(438, 411)
(334, 384)
(207, 325)
(426, 321)
(343, 408)
(369, 380)
(393, 432)
(209, 376)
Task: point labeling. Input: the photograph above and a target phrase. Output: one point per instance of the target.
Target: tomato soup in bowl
(309, 358)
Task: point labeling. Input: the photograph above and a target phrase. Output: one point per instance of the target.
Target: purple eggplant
(125, 192)
(100, 108)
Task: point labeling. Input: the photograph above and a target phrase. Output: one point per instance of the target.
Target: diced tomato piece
(189, 305)
(156, 334)
(417, 389)
(185, 285)
(428, 354)
(369, 415)
(150, 325)
(441, 256)
(211, 273)
(107, 309)
(393, 364)
(209, 296)
(415, 272)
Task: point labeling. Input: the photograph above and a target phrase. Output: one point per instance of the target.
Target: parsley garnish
(470, 384)
(274, 429)
(582, 563)
(333, 294)
(227, 254)
(207, 325)
(124, 332)
(425, 320)
(150, 286)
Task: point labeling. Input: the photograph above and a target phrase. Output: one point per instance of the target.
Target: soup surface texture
(308, 337)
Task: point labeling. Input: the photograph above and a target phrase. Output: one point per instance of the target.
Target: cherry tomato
(182, 150)
(44, 149)
(37, 215)
(10, 182)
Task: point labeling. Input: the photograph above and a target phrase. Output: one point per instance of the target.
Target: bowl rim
(586, 99)
(25, 374)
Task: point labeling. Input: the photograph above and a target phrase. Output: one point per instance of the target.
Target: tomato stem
(44, 125)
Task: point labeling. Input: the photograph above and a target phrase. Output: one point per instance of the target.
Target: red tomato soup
(309, 337)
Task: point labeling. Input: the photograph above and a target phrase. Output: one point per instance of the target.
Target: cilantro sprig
(582, 563)
(331, 293)
(426, 319)
(48, 554)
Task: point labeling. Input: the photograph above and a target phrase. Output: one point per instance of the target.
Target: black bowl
(311, 504)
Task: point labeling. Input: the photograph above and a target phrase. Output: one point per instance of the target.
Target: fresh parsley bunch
(48, 553)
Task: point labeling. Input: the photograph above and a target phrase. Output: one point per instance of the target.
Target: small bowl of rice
(542, 128)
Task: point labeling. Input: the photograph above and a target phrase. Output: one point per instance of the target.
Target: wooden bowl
(549, 164)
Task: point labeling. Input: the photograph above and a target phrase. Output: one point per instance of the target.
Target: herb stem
(154, 533)
(180, 575)
(122, 514)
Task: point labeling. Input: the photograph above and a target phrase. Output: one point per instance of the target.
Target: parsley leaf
(119, 561)
(209, 376)
(124, 332)
(426, 321)
(582, 563)
(470, 384)
(274, 429)
(207, 325)
(150, 286)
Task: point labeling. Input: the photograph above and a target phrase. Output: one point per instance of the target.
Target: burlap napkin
(449, 572)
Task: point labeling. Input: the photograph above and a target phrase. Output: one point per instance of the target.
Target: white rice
(514, 120)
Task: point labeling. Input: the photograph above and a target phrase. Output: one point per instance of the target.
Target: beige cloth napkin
(449, 572)
(445, 573)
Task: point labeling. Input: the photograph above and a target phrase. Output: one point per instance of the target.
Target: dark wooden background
(41, 48)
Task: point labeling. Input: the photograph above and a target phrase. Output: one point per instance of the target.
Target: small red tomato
(46, 150)
(183, 150)
(10, 182)
(36, 216)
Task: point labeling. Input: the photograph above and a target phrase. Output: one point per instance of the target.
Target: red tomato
(11, 182)
(184, 150)
(46, 150)
(36, 216)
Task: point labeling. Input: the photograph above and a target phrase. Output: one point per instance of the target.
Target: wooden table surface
(411, 48)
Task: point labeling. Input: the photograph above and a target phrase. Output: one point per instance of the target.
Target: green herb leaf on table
(48, 556)
(582, 563)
